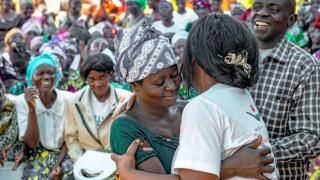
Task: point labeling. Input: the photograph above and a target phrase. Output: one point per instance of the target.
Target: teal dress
(124, 131)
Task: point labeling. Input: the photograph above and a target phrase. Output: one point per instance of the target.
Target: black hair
(210, 41)
(99, 62)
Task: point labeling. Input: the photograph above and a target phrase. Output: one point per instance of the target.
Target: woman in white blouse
(40, 113)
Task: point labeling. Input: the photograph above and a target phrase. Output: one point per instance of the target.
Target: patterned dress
(9, 129)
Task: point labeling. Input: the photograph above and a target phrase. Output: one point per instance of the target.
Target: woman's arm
(71, 132)
(126, 166)
(31, 137)
(248, 162)
(63, 153)
(244, 163)
(126, 169)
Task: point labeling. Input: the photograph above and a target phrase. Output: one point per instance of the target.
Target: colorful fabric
(314, 169)
(200, 4)
(141, 52)
(9, 129)
(48, 59)
(125, 130)
(17, 88)
(185, 95)
(296, 35)
(75, 83)
(142, 3)
(41, 161)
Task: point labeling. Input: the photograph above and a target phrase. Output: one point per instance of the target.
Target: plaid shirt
(287, 95)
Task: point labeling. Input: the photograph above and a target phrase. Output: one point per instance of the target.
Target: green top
(125, 130)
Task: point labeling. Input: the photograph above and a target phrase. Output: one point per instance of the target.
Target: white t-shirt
(182, 20)
(100, 110)
(215, 125)
(50, 121)
(163, 29)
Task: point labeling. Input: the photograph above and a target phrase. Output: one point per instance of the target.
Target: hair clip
(239, 60)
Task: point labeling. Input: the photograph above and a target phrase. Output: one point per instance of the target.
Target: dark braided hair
(210, 40)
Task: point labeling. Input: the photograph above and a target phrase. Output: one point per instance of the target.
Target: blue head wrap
(42, 59)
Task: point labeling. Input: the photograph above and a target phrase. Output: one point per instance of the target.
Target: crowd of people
(180, 89)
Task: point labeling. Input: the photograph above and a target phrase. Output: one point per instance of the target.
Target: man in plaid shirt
(288, 90)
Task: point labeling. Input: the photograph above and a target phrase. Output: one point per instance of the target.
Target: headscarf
(10, 33)
(69, 45)
(53, 49)
(100, 27)
(141, 52)
(202, 4)
(179, 35)
(48, 59)
(31, 25)
(142, 3)
(38, 40)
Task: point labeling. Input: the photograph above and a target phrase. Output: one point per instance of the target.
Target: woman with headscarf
(88, 112)
(146, 60)
(31, 27)
(8, 19)
(40, 112)
(54, 48)
(135, 16)
(14, 61)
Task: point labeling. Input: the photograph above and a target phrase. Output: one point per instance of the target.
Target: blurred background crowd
(73, 30)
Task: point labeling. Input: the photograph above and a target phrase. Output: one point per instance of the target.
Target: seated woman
(145, 59)
(11, 150)
(88, 112)
(40, 113)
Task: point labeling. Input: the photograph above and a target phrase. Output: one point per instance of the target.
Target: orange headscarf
(11, 33)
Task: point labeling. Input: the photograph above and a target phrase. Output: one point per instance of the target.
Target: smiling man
(287, 91)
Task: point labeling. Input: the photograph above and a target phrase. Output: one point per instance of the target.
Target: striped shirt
(287, 95)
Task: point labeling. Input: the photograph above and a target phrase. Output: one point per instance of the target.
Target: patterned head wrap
(141, 52)
(48, 59)
(142, 3)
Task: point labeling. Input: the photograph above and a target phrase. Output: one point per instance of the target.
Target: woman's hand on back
(248, 162)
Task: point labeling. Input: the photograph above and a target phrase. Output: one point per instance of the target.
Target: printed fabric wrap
(141, 52)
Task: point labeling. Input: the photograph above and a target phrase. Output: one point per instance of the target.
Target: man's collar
(280, 51)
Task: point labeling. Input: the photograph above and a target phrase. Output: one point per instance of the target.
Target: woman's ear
(135, 86)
